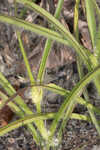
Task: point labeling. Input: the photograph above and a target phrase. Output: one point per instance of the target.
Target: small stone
(11, 140)
(11, 1)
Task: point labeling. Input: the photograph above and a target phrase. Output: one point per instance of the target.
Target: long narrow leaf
(83, 53)
(66, 34)
(48, 44)
(25, 58)
(25, 120)
(20, 113)
(53, 88)
(96, 7)
(76, 16)
(72, 97)
(31, 118)
(19, 101)
(91, 19)
(97, 43)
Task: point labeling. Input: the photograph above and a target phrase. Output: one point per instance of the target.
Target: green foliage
(59, 33)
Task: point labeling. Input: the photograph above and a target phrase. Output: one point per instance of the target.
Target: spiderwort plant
(57, 32)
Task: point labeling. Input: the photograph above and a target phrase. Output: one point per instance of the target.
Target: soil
(61, 69)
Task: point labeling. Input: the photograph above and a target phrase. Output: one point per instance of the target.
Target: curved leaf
(70, 101)
(31, 118)
(91, 20)
(66, 34)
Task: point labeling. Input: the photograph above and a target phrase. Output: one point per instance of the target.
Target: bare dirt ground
(61, 69)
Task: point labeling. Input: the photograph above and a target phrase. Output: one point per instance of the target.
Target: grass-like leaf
(48, 45)
(32, 118)
(91, 20)
(96, 7)
(25, 58)
(97, 43)
(34, 28)
(65, 33)
(18, 111)
(70, 100)
(25, 120)
(35, 91)
(76, 16)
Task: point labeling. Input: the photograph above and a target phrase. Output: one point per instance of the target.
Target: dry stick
(20, 91)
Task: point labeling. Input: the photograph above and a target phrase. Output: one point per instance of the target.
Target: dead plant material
(6, 115)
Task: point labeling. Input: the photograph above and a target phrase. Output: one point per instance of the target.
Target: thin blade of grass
(80, 100)
(25, 120)
(32, 118)
(11, 91)
(76, 33)
(53, 88)
(34, 28)
(25, 58)
(35, 91)
(97, 43)
(48, 45)
(21, 114)
(71, 98)
(19, 101)
(79, 64)
(91, 20)
(96, 7)
(88, 58)
(32, 80)
(59, 90)
(91, 112)
(52, 35)
(66, 34)
(76, 16)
